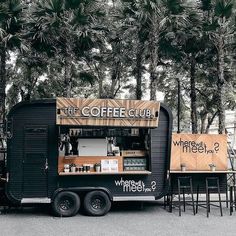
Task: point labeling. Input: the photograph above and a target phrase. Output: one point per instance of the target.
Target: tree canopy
(122, 49)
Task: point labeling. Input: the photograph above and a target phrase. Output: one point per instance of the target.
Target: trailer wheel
(97, 203)
(66, 204)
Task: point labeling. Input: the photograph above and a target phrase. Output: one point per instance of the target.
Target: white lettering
(122, 112)
(109, 111)
(116, 112)
(103, 111)
(135, 186)
(153, 183)
(85, 111)
(131, 113)
(95, 111)
(148, 113)
(142, 115)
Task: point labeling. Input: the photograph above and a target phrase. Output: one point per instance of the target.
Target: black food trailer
(69, 152)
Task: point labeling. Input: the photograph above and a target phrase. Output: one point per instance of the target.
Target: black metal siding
(21, 116)
(160, 150)
(34, 162)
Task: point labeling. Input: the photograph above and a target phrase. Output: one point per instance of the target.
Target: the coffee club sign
(107, 112)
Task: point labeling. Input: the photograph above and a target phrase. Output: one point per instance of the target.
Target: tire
(97, 203)
(66, 204)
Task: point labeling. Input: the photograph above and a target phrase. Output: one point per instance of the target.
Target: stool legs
(218, 185)
(170, 199)
(185, 188)
(207, 201)
(232, 198)
(215, 186)
(197, 199)
(179, 197)
(227, 197)
(184, 199)
(191, 188)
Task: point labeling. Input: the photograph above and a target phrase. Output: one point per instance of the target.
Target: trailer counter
(145, 172)
(92, 160)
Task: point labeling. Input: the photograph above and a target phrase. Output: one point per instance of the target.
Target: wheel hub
(97, 203)
(65, 204)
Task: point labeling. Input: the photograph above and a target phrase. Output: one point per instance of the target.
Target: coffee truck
(69, 152)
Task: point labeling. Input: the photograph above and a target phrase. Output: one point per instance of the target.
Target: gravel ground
(124, 219)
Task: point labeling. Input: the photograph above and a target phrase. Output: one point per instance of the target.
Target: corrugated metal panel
(35, 156)
(159, 151)
(37, 115)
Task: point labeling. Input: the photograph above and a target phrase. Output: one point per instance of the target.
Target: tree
(10, 38)
(139, 31)
(66, 29)
(224, 15)
(157, 16)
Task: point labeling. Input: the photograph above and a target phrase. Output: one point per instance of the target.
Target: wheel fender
(82, 189)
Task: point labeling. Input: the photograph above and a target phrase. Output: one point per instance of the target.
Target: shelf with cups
(91, 165)
(71, 165)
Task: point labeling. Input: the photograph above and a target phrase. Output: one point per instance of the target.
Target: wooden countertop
(107, 173)
(203, 172)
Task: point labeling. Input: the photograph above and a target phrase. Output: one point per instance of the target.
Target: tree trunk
(29, 81)
(203, 118)
(2, 83)
(220, 86)
(193, 95)
(100, 76)
(115, 77)
(139, 57)
(100, 88)
(67, 80)
(153, 49)
(210, 121)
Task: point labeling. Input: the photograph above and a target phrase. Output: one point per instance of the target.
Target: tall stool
(212, 183)
(185, 184)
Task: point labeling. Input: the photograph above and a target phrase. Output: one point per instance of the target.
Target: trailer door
(35, 175)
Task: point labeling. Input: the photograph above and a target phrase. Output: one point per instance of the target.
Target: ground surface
(123, 219)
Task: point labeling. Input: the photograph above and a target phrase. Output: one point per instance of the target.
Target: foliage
(125, 48)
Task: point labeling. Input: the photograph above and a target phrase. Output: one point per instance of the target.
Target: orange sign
(199, 151)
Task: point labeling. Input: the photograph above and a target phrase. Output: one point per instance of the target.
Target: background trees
(10, 38)
(121, 49)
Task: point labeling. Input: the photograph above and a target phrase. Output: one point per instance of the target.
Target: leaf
(223, 8)
(87, 77)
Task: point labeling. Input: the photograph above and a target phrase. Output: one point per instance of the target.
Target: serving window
(98, 150)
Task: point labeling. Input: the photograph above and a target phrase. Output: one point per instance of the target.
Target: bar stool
(185, 184)
(212, 183)
(232, 198)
